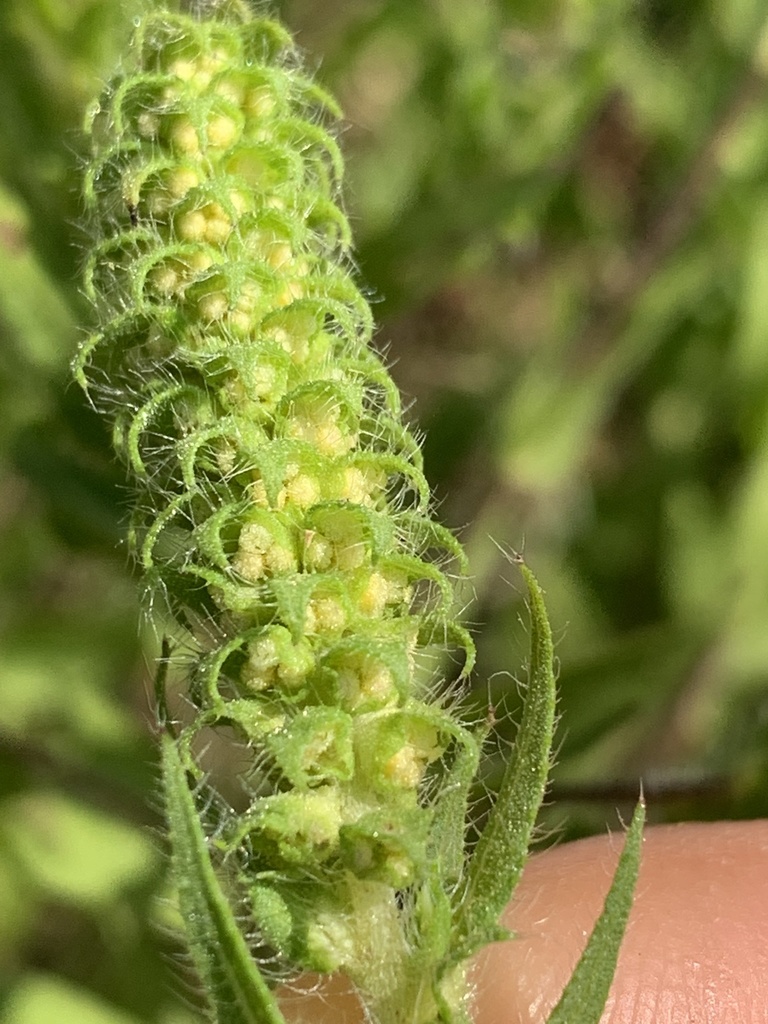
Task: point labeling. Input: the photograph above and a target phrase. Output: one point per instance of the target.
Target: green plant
(282, 524)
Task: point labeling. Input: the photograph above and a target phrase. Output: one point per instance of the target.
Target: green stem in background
(283, 529)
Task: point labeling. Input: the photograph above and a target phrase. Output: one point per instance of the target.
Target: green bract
(282, 519)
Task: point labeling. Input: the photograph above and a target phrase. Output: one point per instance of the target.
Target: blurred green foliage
(562, 209)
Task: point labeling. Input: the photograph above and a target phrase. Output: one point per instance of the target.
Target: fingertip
(696, 947)
(313, 999)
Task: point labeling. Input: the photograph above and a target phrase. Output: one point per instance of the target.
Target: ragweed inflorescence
(282, 515)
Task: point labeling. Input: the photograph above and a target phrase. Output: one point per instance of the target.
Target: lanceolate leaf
(237, 992)
(450, 821)
(585, 994)
(501, 851)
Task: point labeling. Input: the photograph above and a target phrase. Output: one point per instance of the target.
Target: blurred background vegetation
(561, 209)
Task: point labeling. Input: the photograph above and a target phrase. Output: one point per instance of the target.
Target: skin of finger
(696, 947)
(320, 1000)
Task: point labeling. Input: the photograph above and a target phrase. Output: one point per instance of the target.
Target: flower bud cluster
(282, 510)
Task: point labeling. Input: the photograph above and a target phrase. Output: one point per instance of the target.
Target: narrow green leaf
(585, 994)
(446, 855)
(502, 849)
(449, 824)
(237, 992)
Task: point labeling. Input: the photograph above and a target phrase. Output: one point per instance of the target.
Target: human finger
(696, 947)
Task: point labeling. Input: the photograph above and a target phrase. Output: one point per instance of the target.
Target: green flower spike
(282, 525)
